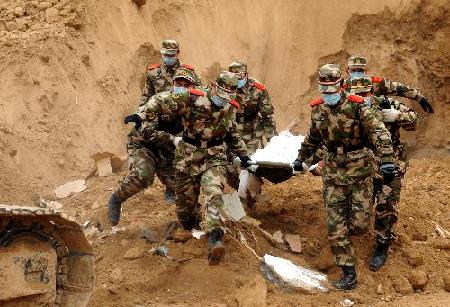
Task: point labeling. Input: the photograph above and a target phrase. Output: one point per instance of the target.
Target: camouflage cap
(226, 85)
(170, 46)
(357, 61)
(359, 85)
(237, 67)
(185, 73)
(330, 77)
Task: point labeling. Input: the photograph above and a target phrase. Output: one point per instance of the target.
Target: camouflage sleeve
(377, 133)
(392, 88)
(408, 119)
(150, 115)
(234, 141)
(198, 81)
(311, 143)
(148, 91)
(266, 113)
(316, 157)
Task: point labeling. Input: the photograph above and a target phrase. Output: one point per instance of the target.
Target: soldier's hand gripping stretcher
(133, 118)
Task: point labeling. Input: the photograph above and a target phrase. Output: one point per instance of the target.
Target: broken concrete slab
(278, 235)
(70, 188)
(233, 206)
(294, 242)
(107, 163)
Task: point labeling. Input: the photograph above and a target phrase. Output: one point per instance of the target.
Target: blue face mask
(169, 61)
(331, 99)
(179, 90)
(241, 83)
(357, 74)
(219, 101)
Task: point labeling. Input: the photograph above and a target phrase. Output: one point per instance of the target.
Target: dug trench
(67, 82)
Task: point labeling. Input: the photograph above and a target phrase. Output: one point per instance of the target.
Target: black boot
(348, 279)
(192, 223)
(114, 208)
(169, 195)
(216, 249)
(379, 256)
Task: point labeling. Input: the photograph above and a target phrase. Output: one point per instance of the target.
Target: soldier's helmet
(237, 67)
(226, 83)
(359, 84)
(170, 46)
(330, 78)
(185, 73)
(357, 62)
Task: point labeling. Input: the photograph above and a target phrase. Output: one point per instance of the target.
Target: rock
(418, 279)
(168, 230)
(325, 261)
(402, 285)
(133, 253)
(104, 167)
(87, 61)
(414, 258)
(54, 205)
(253, 294)
(18, 11)
(380, 290)
(278, 236)
(51, 15)
(70, 188)
(294, 243)
(116, 276)
(182, 235)
(447, 281)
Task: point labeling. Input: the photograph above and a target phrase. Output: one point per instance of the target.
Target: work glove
(299, 167)
(245, 161)
(133, 118)
(426, 106)
(388, 170)
(390, 115)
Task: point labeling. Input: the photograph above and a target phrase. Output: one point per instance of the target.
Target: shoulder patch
(376, 79)
(235, 104)
(259, 86)
(188, 66)
(317, 101)
(197, 92)
(355, 98)
(153, 66)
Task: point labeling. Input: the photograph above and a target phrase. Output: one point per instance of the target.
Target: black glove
(133, 118)
(388, 170)
(298, 165)
(385, 104)
(245, 161)
(426, 106)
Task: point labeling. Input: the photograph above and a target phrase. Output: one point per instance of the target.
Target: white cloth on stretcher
(281, 148)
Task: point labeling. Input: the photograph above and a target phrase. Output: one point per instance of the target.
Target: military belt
(202, 143)
(341, 150)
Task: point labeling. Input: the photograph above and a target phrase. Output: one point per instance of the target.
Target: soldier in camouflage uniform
(150, 145)
(357, 67)
(209, 130)
(255, 117)
(395, 115)
(343, 124)
(160, 76)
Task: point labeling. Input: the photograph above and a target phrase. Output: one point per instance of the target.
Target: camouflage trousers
(386, 196)
(211, 184)
(141, 173)
(348, 209)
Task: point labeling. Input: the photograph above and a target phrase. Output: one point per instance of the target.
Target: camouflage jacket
(346, 131)
(212, 128)
(160, 124)
(407, 120)
(256, 111)
(160, 79)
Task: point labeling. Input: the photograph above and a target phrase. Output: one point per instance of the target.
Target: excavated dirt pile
(71, 70)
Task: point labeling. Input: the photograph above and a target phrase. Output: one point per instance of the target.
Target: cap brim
(329, 88)
(361, 66)
(169, 51)
(225, 94)
(362, 89)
